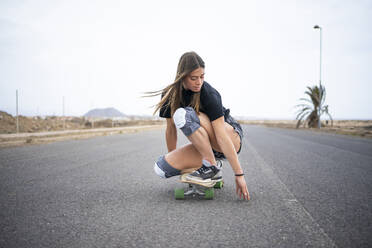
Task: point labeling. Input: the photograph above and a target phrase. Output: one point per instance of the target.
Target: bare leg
(185, 158)
(189, 157)
(207, 125)
(201, 142)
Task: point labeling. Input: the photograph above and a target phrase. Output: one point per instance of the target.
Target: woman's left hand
(241, 188)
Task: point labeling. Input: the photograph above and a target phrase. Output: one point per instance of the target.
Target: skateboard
(196, 189)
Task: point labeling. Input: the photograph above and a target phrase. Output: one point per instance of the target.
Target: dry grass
(56, 123)
(36, 130)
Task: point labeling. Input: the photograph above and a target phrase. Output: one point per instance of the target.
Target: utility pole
(320, 72)
(63, 112)
(17, 111)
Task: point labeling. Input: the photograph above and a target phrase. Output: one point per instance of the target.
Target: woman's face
(194, 81)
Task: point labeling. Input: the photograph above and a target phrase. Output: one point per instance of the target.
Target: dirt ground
(361, 128)
(38, 130)
(84, 127)
(56, 123)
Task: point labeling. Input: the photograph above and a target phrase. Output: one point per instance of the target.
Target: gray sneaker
(203, 174)
(217, 177)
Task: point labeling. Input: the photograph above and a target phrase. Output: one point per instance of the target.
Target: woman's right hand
(241, 188)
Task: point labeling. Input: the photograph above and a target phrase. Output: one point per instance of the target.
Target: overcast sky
(260, 55)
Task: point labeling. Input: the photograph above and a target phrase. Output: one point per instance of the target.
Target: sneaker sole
(217, 179)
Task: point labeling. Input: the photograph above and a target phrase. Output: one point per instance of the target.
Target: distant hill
(104, 113)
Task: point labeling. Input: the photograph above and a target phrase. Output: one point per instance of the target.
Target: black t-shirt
(210, 102)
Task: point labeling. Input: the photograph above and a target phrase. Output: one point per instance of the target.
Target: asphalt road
(308, 189)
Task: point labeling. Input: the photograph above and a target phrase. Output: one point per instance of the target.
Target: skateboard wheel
(209, 194)
(218, 185)
(179, 194)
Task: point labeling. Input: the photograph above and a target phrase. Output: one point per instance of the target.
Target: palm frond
(303, 105)
(300, 117)
(323, 94)
(303, 115)
(298, 124)
(302, 111)
(306, 100)
(313, 97)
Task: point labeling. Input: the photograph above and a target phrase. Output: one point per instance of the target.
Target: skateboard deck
(208, 184)
(195, 188)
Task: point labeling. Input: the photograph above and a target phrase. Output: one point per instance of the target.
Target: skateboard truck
(194, 190)
(197, 190)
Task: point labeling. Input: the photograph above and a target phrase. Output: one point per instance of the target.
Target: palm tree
(309, 111)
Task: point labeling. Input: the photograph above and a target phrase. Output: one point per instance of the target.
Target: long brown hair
(172, 94)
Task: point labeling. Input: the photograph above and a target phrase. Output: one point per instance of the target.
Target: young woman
(195, 107)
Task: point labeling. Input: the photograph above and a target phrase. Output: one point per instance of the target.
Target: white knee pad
(179, 117)
(186, 120)
(164, 170)
(159, 171)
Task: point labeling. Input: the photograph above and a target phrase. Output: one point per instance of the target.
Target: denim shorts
(229, 119)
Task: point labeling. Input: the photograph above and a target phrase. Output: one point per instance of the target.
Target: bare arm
(171, 135)
(226, 145)
(228, 149)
